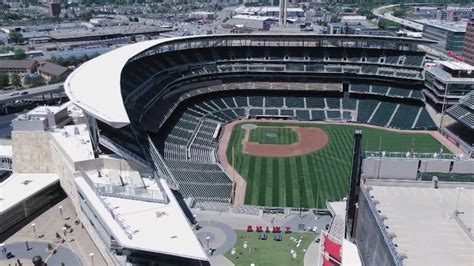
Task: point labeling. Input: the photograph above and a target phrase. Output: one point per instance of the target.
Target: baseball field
(295, 164)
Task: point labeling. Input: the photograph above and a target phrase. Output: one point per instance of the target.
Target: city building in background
(449, 35)
(468, 50)
(447, 83)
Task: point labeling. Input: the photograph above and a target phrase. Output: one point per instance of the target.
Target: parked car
(15, 93)
(24, 93)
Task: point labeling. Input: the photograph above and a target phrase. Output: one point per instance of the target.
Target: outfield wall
(408, 168)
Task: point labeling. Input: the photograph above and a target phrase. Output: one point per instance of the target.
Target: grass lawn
(318, 176)
(269, 252)
(273, 135)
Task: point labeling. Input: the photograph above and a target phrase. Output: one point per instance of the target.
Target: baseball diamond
(308, 180)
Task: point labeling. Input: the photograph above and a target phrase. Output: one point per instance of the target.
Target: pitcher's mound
(310, 139)
(249, 126)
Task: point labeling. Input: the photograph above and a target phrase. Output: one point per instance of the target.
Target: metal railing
(120, 222)
(125, 192)
(160, 166)
(134, 193)
(120, 150)
(410, 155)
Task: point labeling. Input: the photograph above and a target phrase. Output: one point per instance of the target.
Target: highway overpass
(37, 91)
(381, 12)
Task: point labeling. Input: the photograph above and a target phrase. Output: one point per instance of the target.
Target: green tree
(15, 80)
(366, 11)
(73, 60)
(35, 81)
(335, 19)
(85, 58)
(15, 36)
(4, 80)
(55, 79)
(385, 23)
(400, 12)
(60, 61)
(19, 54)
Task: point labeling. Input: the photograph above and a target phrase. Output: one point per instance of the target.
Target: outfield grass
(269, 252)
(319, 176)
(282, 136)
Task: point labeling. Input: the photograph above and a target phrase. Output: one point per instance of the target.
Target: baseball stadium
(259, 123)
(182, 95)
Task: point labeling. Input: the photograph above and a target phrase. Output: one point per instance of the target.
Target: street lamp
(207, 239)
(457, 201)
(92, 258)
(61, 211)
(34, 228)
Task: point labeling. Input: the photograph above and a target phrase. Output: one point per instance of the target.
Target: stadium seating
(297, 102)
(424, 120)
(388, 91)
(333, 115)
(315, 102)
(381, 90)
(318, 115)
(333, 103)
(366, 108)
(414, 60)
(383, 114)
(404, 117)
(189, 148)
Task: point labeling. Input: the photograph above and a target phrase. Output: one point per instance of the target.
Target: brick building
(468, 50)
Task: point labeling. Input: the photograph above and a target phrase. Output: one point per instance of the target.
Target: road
(380, 13)
(6, 98)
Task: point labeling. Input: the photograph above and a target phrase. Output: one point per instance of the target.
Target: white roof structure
(154, 227)
(76, 141)
(95, 85)
(350, 254)
(422, 220)
(456, 65)
(19, 187)
(6, 151)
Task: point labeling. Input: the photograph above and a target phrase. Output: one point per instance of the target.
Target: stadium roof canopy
(95, 85)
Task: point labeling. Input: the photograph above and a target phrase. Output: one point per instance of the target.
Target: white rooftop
(75, 140)
(258, 9)
(457, 65)
(350, 254)
(19, 187)
(98, 80)
(6, 151)
(43, 110)
(154, 227)
(454, 26)
(251, 17)
(421, 219)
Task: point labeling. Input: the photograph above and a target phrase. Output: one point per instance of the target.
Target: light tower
(283, 12)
